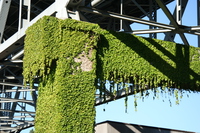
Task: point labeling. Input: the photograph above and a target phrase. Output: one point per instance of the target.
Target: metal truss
(18, 102)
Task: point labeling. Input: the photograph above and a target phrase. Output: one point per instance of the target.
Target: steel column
(14, 105)
(4, 8)
(198, 19)
(152, 17)
(178, 11)
(121, 12)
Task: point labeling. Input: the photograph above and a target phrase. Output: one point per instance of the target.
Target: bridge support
(23, 13)
(198, 19)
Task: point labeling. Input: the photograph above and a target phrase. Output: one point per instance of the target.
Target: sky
(158, 112)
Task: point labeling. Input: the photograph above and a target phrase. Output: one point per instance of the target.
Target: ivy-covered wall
(148, 62)
(61, 54)
(72, 59)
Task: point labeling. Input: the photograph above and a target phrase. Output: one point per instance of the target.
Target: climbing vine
(148, 63)
(61, 53)
(73, 59)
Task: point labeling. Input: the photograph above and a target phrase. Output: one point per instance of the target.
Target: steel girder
(18, 102)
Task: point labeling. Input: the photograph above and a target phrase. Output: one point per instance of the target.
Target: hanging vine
(72, 59)
(61, 53)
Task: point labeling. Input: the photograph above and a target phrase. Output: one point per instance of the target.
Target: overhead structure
(18, 102)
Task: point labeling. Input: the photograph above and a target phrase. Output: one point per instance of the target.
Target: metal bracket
(178, 11)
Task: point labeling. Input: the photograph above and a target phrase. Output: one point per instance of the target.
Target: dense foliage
(67, 87)
(72, 59)
(149, 63)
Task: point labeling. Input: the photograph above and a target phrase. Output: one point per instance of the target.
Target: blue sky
(158, 112)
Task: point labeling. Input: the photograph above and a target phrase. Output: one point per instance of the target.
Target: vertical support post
(178, 11)
(34, 97)
(20, 15)
(14, 105)
(198, 19)
(4, 9)
(61, 8)
(152, 17)
(24, 21)
(23, 105)
(7, 106)
(121, 12)
(29, 11)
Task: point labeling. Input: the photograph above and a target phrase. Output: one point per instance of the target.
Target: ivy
(73, 59)
(58, 52)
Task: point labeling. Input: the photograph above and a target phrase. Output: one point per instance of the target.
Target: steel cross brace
(173, 21)
(170, 36)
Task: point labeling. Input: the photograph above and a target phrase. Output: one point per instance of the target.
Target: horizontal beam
(6, 100)
(119, 94)
(6, 123)
(7, 128)
(11, 84)
(12, 63)
(22, 126)
(17, 111)
(197, 28)
(10, 77)
(148, 31)
(16, 121)
(23, 116)
(19, 90)
(125, 17)
(15, 85)
(18, 55)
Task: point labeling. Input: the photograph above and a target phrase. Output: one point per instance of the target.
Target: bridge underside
(18, 102)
